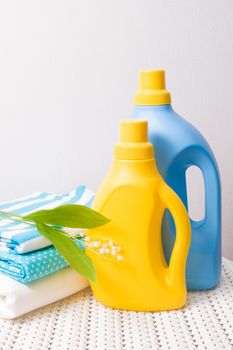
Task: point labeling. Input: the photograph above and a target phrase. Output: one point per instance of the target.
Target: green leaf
(69, 250)
(69, 215)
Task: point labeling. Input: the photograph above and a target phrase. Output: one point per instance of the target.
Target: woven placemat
(80, 322)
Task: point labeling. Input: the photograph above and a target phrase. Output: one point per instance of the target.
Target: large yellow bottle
(127, 252)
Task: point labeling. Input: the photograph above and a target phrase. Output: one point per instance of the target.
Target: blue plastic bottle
(178, 145)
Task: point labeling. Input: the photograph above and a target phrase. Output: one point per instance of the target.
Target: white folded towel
(17, 298)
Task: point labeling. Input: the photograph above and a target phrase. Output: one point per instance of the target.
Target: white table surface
(80, 322)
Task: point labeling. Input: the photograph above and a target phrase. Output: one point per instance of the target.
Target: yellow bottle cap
(152, 89)
(133, 141)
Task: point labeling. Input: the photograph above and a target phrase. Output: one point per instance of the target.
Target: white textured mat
(79, 322)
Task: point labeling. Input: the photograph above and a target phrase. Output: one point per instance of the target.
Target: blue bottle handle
(206, 163)
(203, 269)
(211, 223)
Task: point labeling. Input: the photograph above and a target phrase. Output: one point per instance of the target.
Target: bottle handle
(177, 265)
(210, 172)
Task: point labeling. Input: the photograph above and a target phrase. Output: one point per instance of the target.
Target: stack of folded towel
(32, 271)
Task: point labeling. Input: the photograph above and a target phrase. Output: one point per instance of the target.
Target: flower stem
(15, 217)
(19, 218)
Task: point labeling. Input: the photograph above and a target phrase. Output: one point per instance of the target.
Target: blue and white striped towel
(21, 238)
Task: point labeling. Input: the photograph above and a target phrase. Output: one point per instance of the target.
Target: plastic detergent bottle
(178, 145)
(127, 253)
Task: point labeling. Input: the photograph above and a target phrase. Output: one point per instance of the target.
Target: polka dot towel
(31, 266)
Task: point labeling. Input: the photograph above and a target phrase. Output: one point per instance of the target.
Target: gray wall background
(68, 73)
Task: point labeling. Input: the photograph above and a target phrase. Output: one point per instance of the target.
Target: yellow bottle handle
(176, 270)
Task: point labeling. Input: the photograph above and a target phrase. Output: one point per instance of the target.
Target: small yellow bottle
(127, 253)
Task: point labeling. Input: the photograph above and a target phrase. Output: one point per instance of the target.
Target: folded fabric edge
(19, 243)
(17, 299)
